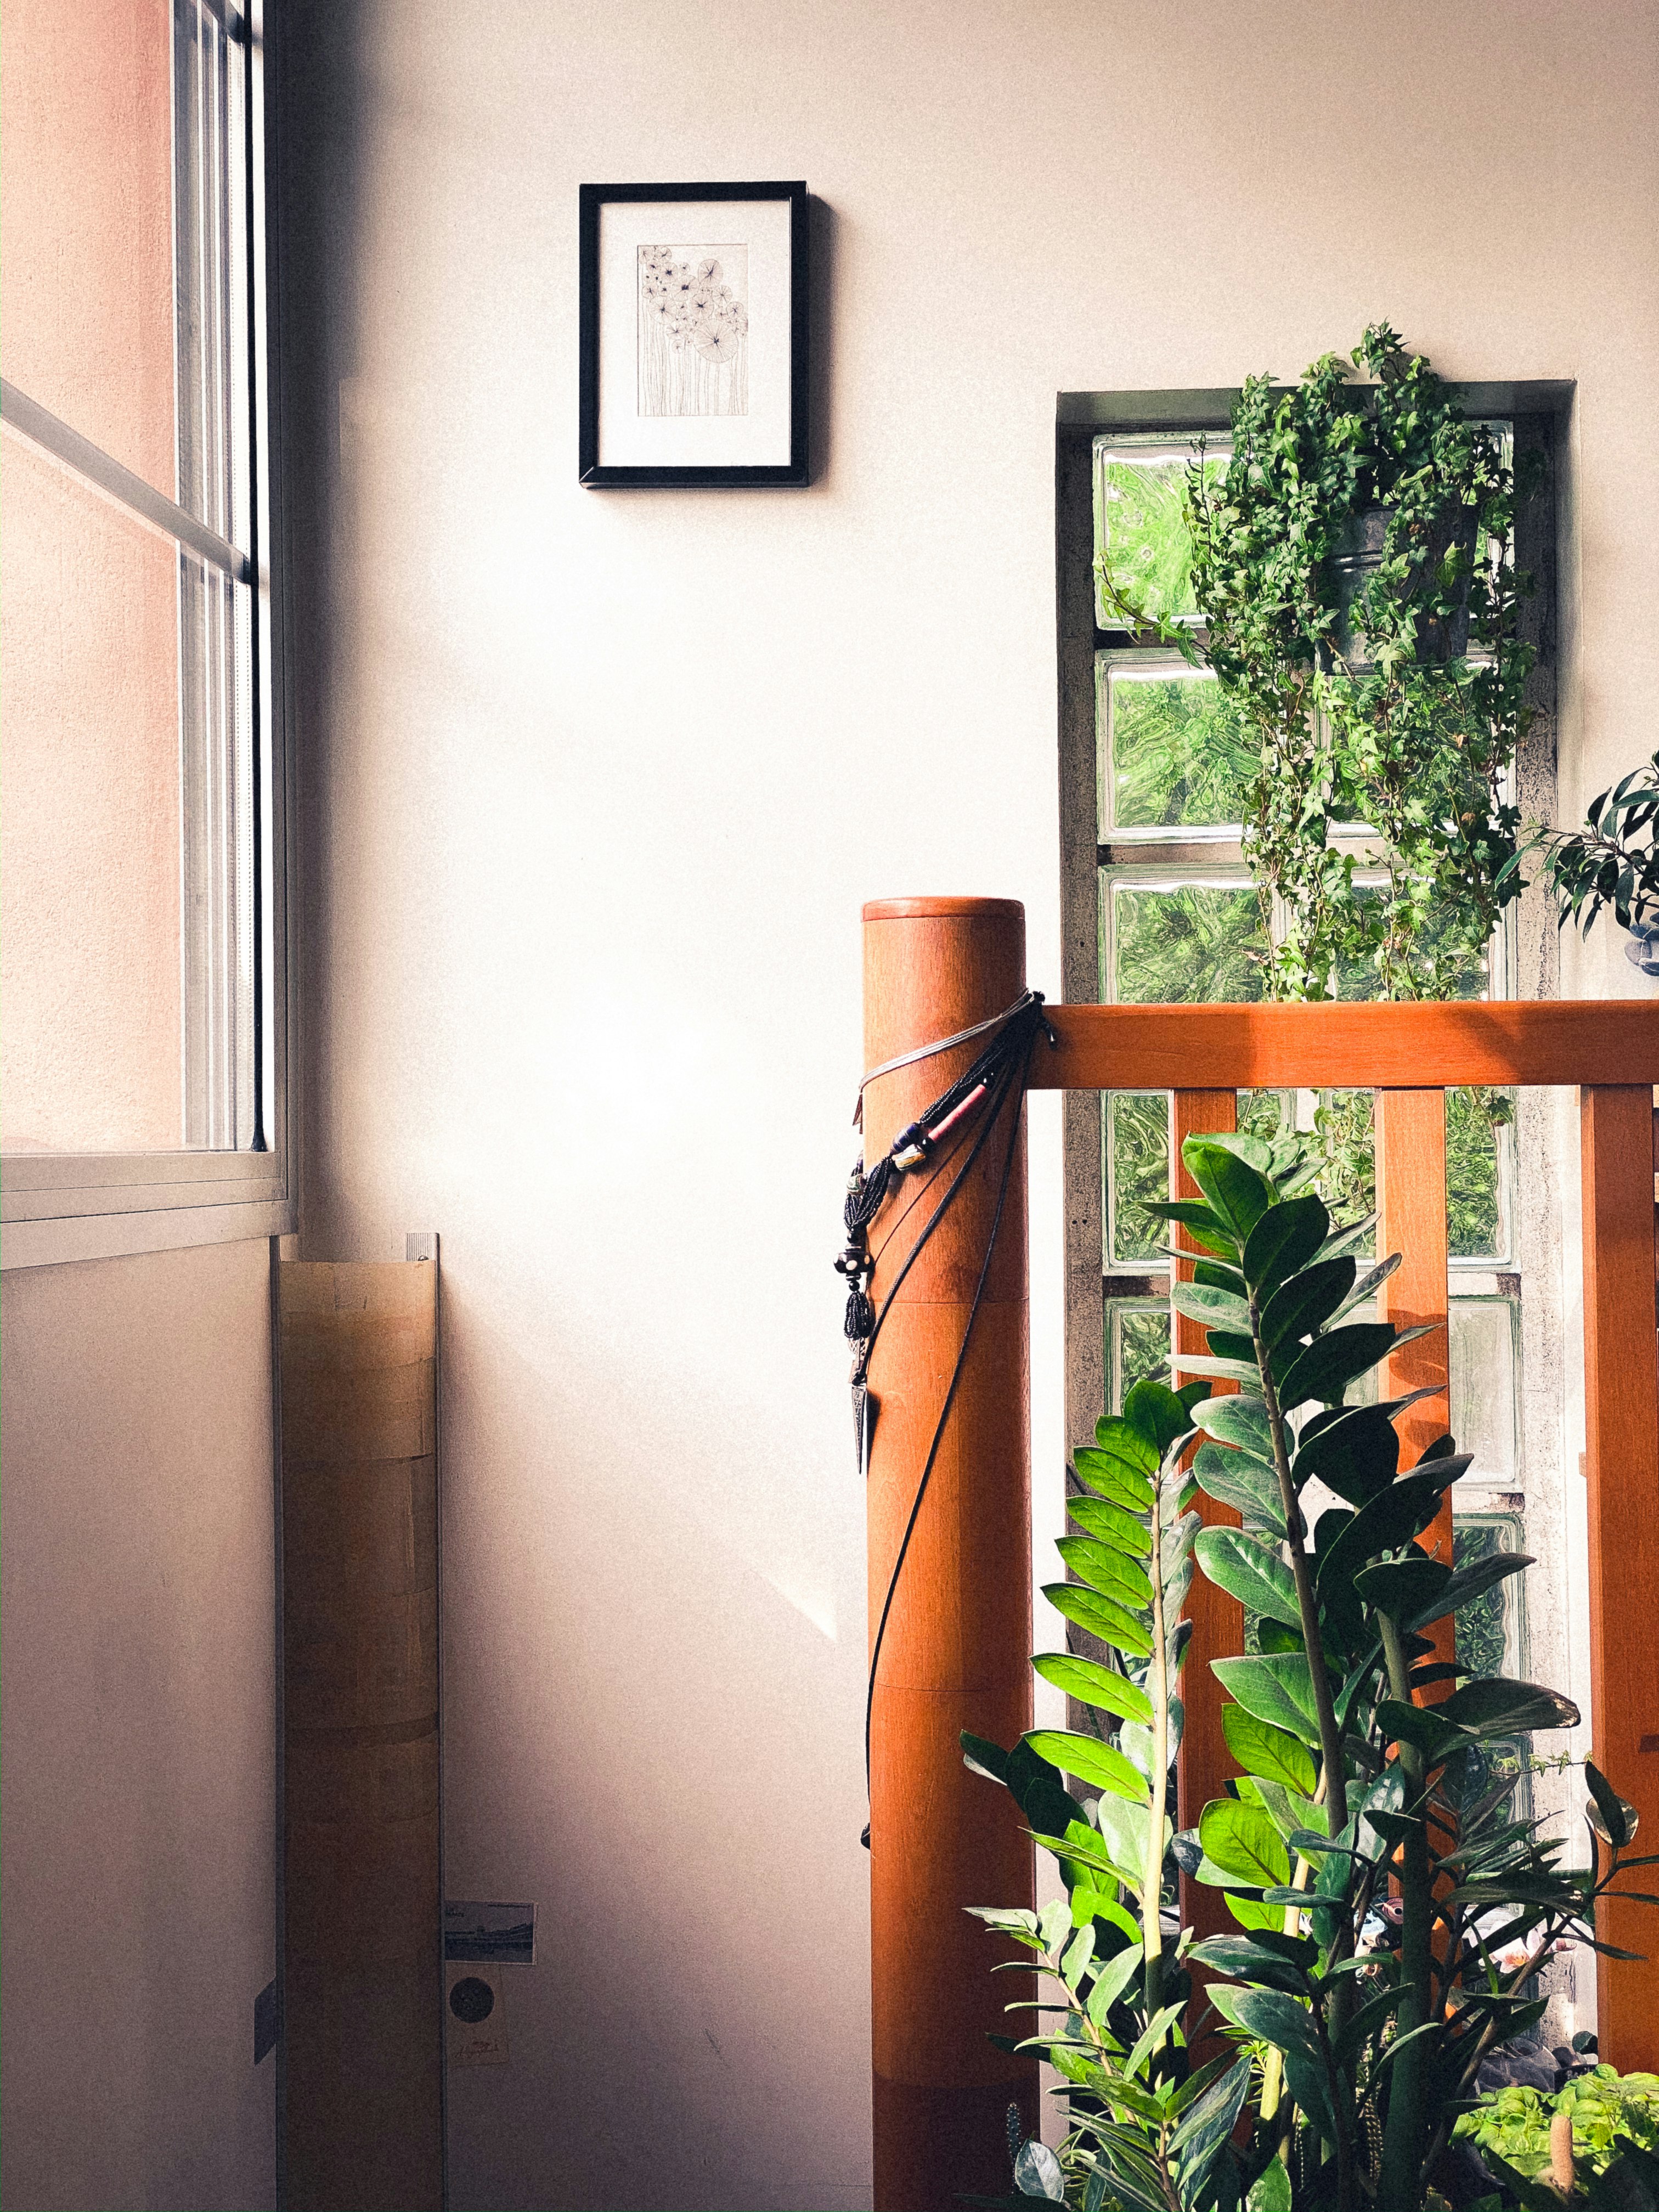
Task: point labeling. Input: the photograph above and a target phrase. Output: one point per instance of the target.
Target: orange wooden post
(1621, 1432)
(1203, 1762)
(1410, 1134)
(956, 1653)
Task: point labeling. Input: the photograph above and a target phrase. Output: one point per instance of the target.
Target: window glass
(1142, 547)
(89, 833)
(1182, 942)
(1483, 1388)
(86, 222)
(130, 901)
(1174, 753)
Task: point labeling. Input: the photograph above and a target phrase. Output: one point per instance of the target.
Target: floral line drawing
(693, 329)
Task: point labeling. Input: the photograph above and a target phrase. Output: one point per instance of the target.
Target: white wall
(139, 1903)
(596, 782)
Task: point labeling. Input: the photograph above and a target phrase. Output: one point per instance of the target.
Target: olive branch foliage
(1607, 864)
(1356, 1744)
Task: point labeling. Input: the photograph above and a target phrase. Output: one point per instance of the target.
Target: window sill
(68, 1237)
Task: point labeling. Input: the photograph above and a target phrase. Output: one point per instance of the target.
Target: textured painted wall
(138, 1920)
(596, 782)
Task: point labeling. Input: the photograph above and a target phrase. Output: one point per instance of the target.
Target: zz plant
(1356, 1746)
(1146, 2130)
(1378, 2047)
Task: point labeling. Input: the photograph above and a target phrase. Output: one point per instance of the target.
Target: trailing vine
(1398, 702)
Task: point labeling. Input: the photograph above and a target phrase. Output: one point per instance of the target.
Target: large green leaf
(1356, 1454)
(1239, 1421)
(1614, 1818)
(1334, 1360)
(1469, 1583)
(1091, 1761)
(1213, 1308)
(1244, 1484)
(1200, 1222)
(1242, 1371)
(1113, 1574)
(1397, 1513)
(1274, 1685)
(1201, 2139)
(1237, 1192)
(1243, 1841)
(1111, 1476)
(1306, 1302)
(1158, 1414)
(1423, 1726)
(1250, 1570)
(1496, 1706)
(982, 1757)
(1091, 1683)
(1131, 1443)
(1123, 1531)
(1276, 2018)
(1403, 1587)
(1273, 1753)
(1283, 1241)
(1114, 1624)
(1247, 1958)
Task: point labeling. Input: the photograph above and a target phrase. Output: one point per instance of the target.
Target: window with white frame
(141, 1059)
(1158, 907)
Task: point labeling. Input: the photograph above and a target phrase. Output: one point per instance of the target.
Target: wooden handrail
(1394, 1047)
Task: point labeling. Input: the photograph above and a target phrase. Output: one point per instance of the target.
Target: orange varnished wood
(1621, 1430)
(1204, 1762)
(957, 1648)
(1411, 1204)
(1365, 1047)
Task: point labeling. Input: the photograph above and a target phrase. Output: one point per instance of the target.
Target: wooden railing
(931, 968)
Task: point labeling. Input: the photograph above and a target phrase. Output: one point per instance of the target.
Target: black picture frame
(793, 472)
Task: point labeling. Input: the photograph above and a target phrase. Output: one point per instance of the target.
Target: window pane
(86, 324)
(1138, 1348)
(1178, 756)
(1140, 530)
(1483, 1407)
(1477, 1177)
(89, 833)
(1138, 1172)
(1183, 944)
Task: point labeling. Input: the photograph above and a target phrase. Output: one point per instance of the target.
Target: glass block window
(1181, 923)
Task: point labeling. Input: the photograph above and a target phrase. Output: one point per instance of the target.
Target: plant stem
(1157, 1687)
(1333, 1780)
(1401, 2178)
(1330, 1736)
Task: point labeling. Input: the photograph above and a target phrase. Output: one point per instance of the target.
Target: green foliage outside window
(1194, 943)
(1180, 756)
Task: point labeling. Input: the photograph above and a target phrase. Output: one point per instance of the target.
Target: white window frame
(61, 1206)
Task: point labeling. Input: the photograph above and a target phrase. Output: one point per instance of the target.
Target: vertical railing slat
(1411, 1204)
(1204, 1762)
(1621, 1467)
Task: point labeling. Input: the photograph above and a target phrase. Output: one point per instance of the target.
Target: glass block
(1183, 943)
(1483, 1387)
(1174, 753)
(1137, 1172)
(1477, 1177)
(1137, 1346)
(1143, 549)
(1490, 1639)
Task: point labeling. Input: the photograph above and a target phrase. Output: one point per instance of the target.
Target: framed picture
(694, 334)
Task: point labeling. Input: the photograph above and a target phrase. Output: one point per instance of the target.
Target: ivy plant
(1357, 1745)
(1399, 704)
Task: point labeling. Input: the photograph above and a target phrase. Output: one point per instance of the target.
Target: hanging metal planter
(1361, 546)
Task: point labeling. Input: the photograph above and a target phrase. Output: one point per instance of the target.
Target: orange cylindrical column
(956, 1652)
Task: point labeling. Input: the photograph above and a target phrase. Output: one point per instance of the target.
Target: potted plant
(1607, 864)
(1364, 2017)
(1359, 608)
